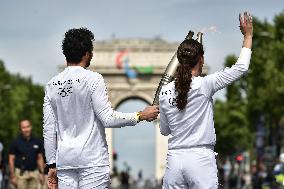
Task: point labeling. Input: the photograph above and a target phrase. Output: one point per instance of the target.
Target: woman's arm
(225, 77)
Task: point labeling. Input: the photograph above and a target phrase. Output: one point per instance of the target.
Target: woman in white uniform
(186, 113)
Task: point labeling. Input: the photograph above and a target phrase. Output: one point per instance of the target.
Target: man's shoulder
(88, 75)
(53, 79)
(93, 75)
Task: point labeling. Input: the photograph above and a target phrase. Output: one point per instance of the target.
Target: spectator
(26, 163)
(125, 180)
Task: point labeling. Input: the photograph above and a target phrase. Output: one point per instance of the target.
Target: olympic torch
(169, 74)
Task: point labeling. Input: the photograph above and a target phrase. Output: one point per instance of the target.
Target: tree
(265, 81)
(20, 99)
(260, 94)
(233, 134)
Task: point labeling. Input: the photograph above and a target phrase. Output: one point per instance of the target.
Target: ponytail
(188, 54)
(182, 85)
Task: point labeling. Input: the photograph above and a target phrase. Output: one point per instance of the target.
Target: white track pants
(193, 168)
(84, 178)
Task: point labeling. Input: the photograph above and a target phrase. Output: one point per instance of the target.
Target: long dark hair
(189, 52)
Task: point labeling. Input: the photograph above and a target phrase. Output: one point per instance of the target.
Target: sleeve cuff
(132, 118)
(51, 162)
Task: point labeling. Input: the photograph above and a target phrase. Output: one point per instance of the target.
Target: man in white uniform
(186, 114)
(76, 113)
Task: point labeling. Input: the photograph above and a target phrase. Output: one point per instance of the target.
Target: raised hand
(246, 24)
(246, 28)
(150, 113)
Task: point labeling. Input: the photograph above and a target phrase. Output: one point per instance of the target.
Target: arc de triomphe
(144, 61)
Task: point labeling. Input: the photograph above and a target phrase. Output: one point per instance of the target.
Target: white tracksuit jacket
(76, 113)
(195, 125)
(191, 161)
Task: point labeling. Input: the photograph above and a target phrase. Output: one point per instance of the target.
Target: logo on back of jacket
(65, 88)
(171, 100)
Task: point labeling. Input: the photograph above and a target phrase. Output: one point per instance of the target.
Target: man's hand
(246, 29)
(13, 180)
(150, 113)
(52, 179)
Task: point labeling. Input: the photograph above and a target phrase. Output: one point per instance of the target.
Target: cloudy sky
(32, 30)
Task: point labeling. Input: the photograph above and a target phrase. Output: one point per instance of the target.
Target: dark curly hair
(76, 43)
(188, 54)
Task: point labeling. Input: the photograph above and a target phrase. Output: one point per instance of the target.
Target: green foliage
(231, 123)
(265, 81)
(261, 92)
(19, 99)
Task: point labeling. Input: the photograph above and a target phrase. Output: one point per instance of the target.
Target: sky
(32, 30)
